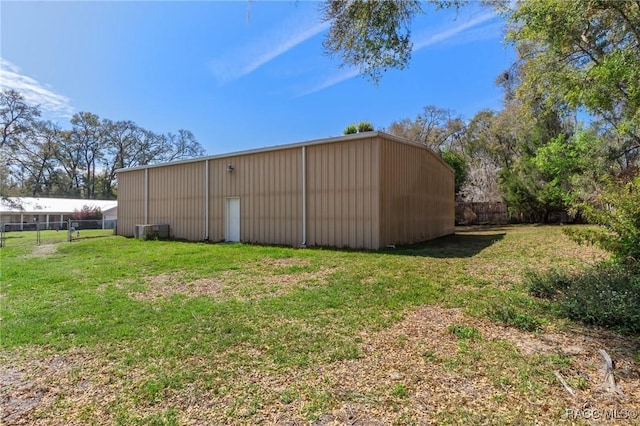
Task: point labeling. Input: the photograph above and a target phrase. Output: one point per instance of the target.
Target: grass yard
(122, 331)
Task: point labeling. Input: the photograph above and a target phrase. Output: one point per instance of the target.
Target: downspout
(304, 196)
(146, 196)
(206, 200)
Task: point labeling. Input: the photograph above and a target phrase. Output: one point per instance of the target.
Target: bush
(361, 127)
(350, 129)
(617, 210)
(464, 332)
(513, 317)
(365, 126)
(87, 213)
(547, 285)
(606, 295)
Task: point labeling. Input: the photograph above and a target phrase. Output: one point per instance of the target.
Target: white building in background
(21, 213)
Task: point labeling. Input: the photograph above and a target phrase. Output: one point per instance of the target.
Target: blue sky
(241, 74)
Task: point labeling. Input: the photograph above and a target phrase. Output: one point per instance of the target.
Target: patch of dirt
(18, 395)
(166, 285)
(31, 393)
(234, 283)
(43, 250)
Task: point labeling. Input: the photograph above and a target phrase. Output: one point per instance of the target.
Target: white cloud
(425, 40)
(421, 41)
(250, 58)
(33, 91)
(332, 81)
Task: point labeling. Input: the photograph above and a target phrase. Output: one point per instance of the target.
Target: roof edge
(334, 139)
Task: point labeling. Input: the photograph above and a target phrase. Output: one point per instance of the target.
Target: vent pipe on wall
(206, 200)
(146, 195)
(304, 196)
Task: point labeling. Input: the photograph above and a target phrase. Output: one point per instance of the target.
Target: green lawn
(122, 331)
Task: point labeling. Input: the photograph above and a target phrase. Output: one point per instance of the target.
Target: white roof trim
(355, 136)
(31, 205)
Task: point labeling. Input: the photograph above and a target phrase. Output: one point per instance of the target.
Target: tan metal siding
(130, 201)
(417, 195)
(342, 194)
(363, 192)
(176, 197)
(269, 187)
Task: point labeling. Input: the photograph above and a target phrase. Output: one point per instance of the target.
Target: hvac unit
(152, 232)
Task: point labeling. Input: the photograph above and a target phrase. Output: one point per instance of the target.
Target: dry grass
(43, 250)
(443, 378)
(267, 278)
(374, 340)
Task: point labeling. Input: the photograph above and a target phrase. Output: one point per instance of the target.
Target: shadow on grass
(459, 245)
(451, 246)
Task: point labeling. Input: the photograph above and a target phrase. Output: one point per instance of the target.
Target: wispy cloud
(251, 57)
(33, 91)
(331, 81)
(425, 40)
(421, 41)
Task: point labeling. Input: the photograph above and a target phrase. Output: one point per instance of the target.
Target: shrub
(607, 294)
(350, 129)
(464, 332)
(617, 210)
(511, 316)
(459, 164)
(365, 126)
(87, 213)
(400, 391)
(548, 284)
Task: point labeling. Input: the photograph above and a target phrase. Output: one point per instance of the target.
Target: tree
(582, 54)
(617, 210)
(69, 156)
(481, 183)
(371, 35)
(126, 145)
(434, 127)
(87, 136)
(179, 147)
(39, 158)
(459, 164)
(17, 117)
(36, 160)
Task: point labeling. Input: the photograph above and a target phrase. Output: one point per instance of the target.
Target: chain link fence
(34, 233)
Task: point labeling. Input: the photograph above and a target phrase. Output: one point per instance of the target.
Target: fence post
(69, 230)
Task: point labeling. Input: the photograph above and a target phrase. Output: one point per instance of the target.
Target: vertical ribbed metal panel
(363, 193)
(130, 201)
(176, 197)
(269, 187)
(343, 193)
(417, 198)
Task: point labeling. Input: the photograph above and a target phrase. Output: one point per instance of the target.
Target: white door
(232, 225)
